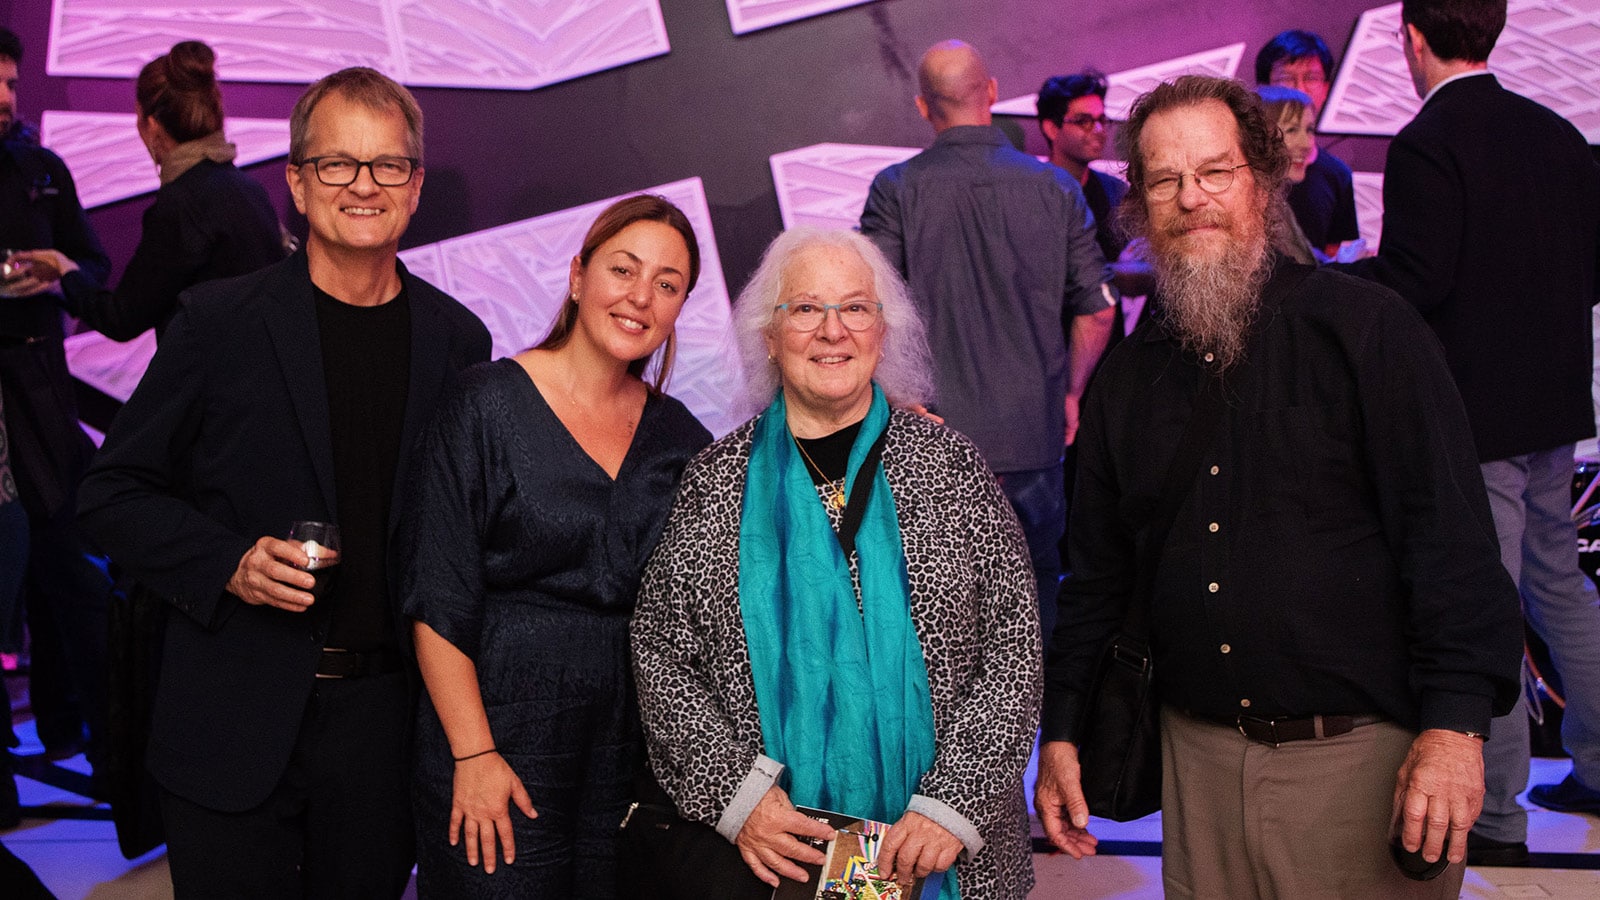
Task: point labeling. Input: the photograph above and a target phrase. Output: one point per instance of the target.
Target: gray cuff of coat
(950, 820)
(763, 775)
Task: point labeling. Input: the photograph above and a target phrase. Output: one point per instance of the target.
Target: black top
(213, 221)
(1491, 227)
(366, 359)
(1104, 192)
(1325, 202)
(1335, 554)
(510, 516)
(39, 209)
(829, 455)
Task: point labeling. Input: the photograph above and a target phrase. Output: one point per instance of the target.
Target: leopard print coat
(972, 601)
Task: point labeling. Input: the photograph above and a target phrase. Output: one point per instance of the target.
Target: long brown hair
(179, 90)
(610, 223)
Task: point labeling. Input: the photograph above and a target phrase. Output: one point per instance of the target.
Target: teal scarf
(842, 692)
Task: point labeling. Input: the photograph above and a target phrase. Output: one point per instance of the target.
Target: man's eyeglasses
(1086, 121)
(1211, 179)
(339, 171)
(805, 316)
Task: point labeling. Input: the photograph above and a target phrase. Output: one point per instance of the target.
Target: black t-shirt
(1325, 203)
(366, 359)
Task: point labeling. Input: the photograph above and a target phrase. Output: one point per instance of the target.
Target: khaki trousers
(1305, 819)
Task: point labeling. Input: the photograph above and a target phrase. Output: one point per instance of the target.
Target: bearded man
(1330, 624)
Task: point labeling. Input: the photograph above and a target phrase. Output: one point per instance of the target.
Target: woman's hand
(768, 839)
(485, 786)
(917, 846)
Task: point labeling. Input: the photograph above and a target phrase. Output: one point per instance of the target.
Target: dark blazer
(225, 440)
(1491, 227)
(213, 221)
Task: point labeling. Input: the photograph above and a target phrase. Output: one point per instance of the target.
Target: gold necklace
(836, 487)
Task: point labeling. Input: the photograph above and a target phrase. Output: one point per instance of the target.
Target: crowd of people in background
(559, 642)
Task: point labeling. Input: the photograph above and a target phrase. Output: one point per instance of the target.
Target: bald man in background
(998, 249)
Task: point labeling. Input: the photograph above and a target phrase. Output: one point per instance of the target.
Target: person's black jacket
(211, 222)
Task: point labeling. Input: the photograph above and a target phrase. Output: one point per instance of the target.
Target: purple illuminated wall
(717, 106)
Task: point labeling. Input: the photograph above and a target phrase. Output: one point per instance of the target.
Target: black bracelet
(476, 755)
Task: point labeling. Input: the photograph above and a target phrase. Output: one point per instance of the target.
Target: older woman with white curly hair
(841, 613)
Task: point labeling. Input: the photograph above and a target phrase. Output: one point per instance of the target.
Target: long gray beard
(1211, 305)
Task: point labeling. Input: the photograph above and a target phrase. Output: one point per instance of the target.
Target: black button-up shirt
(1335, 554)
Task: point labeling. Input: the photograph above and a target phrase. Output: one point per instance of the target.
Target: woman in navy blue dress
(546, 480)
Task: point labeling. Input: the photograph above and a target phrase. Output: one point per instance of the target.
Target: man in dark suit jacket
(1492, 228)
(280, 730)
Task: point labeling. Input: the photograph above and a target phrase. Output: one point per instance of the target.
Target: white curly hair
(905, 368)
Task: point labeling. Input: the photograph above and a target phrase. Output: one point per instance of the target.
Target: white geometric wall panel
(1369, 206)
(113, 369)
(1122, 88)
(1549, 52)
(507, 44)
(515, 278)
(752, 15)
(825, 185)
(110, 163)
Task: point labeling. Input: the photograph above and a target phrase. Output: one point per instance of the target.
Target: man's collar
(1459, 76)
(971, 134)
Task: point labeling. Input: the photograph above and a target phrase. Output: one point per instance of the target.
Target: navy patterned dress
(521, 551)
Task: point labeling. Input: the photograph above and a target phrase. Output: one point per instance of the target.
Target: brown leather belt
(336, 663)
(1297, 728)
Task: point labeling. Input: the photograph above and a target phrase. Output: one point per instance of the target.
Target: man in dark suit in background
(65, 590)
(281, 721)
(1492, 229)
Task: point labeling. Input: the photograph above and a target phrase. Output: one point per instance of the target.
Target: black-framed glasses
(1086, 121)
(339, 171)
(805, 316)
(1211, 179)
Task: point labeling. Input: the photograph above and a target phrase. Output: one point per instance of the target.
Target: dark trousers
(1039, 500)
(67, 593)
(337, 825)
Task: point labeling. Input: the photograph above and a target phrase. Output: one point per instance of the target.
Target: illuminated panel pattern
(753, 15)
(1369, 206)
(515, 278)
(113, 369)
(1125, 87)
(434, 43)
(1549, 52)
(825, 185)
(109, 162)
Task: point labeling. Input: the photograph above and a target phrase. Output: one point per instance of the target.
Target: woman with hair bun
(208, 221)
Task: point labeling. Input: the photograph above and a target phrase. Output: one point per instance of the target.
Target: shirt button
(1213, 526)
(1210, 357)
(1245, 703)
(1226, 649)
(1212, 587)
(1215, 470)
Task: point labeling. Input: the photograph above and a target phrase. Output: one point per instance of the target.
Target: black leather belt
(1297, 728)
(336, 663)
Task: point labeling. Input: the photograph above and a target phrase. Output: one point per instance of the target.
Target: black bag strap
(859, 492)
(1198, 436)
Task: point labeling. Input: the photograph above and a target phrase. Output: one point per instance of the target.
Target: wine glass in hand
(320, 541)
